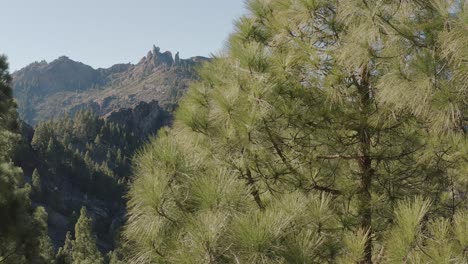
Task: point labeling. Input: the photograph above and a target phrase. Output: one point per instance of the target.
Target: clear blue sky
(104, 32)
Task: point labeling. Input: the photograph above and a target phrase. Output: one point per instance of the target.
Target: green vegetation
(42, 249)
(85, 160)
(23, 230)
(81, 161)
(87, 151)
(328, 131)
(83, 249)
(64, 255)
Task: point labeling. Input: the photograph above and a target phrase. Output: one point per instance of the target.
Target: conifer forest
(324, 131)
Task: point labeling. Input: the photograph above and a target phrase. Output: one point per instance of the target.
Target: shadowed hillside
(86, 125)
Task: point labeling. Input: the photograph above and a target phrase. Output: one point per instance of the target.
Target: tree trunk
(365, 210)
(365, 163)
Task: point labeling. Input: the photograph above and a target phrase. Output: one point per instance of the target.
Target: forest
(326, 131)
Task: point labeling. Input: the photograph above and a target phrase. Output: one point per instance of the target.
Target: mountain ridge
(46, 91)
(129, 103)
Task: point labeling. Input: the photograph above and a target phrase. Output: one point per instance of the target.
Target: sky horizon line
(135, 61)
(106, 32)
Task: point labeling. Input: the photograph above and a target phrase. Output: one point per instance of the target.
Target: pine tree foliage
(304, 141)
(92, 153)
(36, 183)
(89, 157)
(117, 256)
(64, 254)
(84, 249)
(412, 240)
(23, 236)
(7, 112)
(42, 250)
(15, 215)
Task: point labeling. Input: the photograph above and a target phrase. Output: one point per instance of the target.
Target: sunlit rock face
(62, 87)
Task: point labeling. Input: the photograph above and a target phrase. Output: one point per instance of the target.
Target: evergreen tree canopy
(36, 183)
(307, 140)
(7, 112)
(89, 152)
(23, 237)
(84, 246)
(42, 251)
(64, 254)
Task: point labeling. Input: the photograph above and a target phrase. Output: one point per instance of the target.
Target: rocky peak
(63, 58)
(149, 56)
(159, 58)
(177, 59)
(47, 90)
(165, 58)
(156, 50)
(62, 74)
(155, 58)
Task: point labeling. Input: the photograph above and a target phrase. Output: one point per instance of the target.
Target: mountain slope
(49, 90)
(84, 158)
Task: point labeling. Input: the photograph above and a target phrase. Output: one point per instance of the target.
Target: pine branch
(339, 156)
(254, 191)
(410, 38)
(279, 152)
(9, 254)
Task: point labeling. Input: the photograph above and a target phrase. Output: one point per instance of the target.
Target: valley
(82, 127)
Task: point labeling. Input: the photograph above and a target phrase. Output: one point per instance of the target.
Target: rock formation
(143, 120)
(48, 90)
(177, 59)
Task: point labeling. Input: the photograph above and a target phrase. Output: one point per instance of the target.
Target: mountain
(82, 127)
(63, 87)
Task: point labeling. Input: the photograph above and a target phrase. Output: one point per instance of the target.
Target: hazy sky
(104, 32)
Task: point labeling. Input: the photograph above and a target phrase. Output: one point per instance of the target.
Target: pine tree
(97, 140)
(54, 155)
(17, 225)
(7, 112)
(116, 257)
(66, 140)
(15, 218)
(119, 158)
(64, 254)
(300, 141)
(41, 250)
(84, 246)
(36, 183)
(42, 135)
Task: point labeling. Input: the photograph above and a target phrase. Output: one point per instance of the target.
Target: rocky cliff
(135, 99)
(48, 90)
(143, 121)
